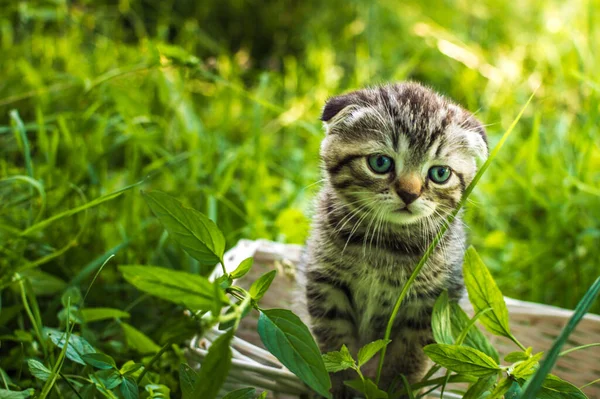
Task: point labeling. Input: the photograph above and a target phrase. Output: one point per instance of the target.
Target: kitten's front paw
(338, 389)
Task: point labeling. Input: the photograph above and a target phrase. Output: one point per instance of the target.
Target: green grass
(93, 101)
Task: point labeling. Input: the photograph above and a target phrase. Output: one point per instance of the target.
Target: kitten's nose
(408, 188)
(407, 197)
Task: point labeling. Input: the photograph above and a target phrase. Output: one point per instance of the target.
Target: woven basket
(533, 324)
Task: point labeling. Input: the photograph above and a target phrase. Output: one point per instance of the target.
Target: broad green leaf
(462, 359)
(526, 368)
(477, 390)
(130, 368)
(440, 320)
(138, 341)
(90, 315)
(259, 288)
(197, 234)
(6, 394)
(286, 337)
(516, 357)
(159, 391)
(244, 393)
(110, 378)
(129, 388)
(484, 293)
(534, 385)
(556, 388)
(44, 283)
(242, 269)
(187, 380)
(38, 370)
(214, 369)
(501, 388)
(369, 350)
(99, 361)
(77, 345)
(182, 288)
(475, 338)
(367, 387)
(338, 360)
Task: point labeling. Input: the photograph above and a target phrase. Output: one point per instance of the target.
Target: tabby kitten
(396, 160)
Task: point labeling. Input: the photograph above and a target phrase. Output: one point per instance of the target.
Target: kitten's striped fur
(362, 249)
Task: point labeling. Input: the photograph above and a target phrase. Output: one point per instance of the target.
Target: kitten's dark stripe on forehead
(343, 162)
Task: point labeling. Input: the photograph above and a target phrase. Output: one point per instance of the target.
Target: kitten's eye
(439, 174)
(380, 163)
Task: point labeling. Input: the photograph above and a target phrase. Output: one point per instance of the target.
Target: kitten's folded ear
(476, 137)
(335, 104)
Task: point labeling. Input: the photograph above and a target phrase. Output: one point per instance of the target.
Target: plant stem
(151, 362)
(70, 385)
(36, 327)
(440, 234)
(578, 348)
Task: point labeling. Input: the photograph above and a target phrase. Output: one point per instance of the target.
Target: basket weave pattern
(533, 324)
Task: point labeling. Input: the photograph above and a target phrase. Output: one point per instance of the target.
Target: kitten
(396, 160)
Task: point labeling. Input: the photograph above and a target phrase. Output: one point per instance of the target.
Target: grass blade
(535, 384)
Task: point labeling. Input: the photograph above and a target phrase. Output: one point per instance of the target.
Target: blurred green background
(217, 103)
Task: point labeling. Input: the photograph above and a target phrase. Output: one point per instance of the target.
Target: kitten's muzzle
(409, 188)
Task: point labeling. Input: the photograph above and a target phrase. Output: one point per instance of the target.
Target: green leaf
(214, 369)
(475, 338)
(159, 391)
(38, 370)
(73, 294)
(99, 360)
(556, 388)
(462, 359)
(440, 320)
(259, 288)
(244, 393)
(338, 360)
(6, 394)
(90, 315)
(482, 385)
(534, 385)
(197, 234)
(484, 293)
(77, 346)
(110, 378)
(130, 368)
(286, 337)
(367, 387)
(138, 341)
(369, 350)
(501, 388)
(242, 269)
(44, 283)
(263, 395)
(129, 388)
(182, 288)
(526, 368)
(514, 392)
(187, 380)
(516, 357)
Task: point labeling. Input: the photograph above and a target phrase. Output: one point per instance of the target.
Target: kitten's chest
(375, 294)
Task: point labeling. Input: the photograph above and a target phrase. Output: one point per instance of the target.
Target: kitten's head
(401, 152)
